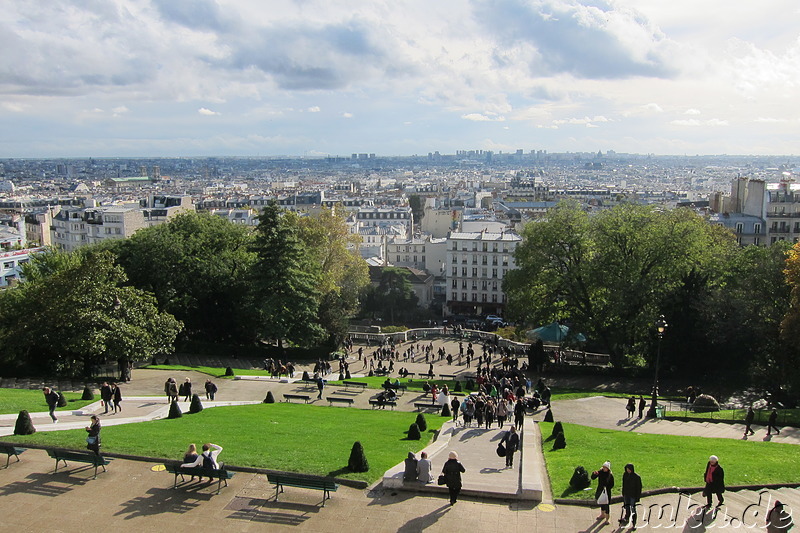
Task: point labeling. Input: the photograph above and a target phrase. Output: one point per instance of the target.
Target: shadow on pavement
(423, 522)
(161, 501)
(261, 511)
(42, 485)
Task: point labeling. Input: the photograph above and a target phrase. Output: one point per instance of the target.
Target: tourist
(489, 413)
(631, 407)
(187, 390)
(511, 440)
(191, 454)
(320, 386)
(455, 405)
(93, 439)
(105, 396)
(410, 472)
(171, 390)
(211, 390)
(605, 482)
(51, 397)
(778, 520)
(424, 468)
(631, 494)
(206, 460)
(773, 419)
(642, 405)
(116, 395)
(502, 413)
(519, 413)
(714, 478)
(748, 421)
(452, 471)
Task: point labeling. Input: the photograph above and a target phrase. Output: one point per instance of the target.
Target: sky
(113, 78)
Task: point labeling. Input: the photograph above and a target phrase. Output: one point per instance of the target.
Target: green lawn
(210, 370)
(15, 400)
(788, 417)
(282, 436)
(664, 460)
(574, 394)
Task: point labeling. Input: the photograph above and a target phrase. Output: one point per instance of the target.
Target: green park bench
(303, 482)
(334, 399)
(357, 384)
(10, 450)
(426, 405)
(382, 403)
(220, 474)
(306, 398)
(79, 457)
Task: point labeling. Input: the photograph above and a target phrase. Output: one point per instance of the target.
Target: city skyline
(255, 78)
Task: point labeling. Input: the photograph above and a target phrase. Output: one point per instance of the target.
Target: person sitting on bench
(207, 459)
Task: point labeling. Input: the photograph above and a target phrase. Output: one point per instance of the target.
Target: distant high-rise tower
(143, 170)
(156, 172)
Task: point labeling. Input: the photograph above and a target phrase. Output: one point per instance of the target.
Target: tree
(789, 361)
(74, 312)
(393, 297)
(358, 460)
(196, 265)
(285, 280)
(343, 273)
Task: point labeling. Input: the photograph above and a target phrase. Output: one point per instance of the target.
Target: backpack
(208, 462)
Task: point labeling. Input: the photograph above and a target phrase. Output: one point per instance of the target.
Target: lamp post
(661, 327)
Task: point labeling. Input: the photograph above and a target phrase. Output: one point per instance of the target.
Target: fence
(728, 413)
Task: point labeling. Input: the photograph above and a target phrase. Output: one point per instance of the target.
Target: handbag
(441, 480)
(91, 441)
(603, 499)
(501, 450)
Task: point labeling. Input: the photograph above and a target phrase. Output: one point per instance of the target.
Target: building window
(474, 246)
(455, 271)
(464, 271)
(494, 272)
(9, 264)
(757, 228)
(739, 228)
(474, 297)
(398, 258)
(485, 246)
(463, 296)
(474, 272)
(483, 298)
(455, 283)
(494, 298)
(463, 284)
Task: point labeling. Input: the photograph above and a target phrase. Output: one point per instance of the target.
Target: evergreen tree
(174, 410)
(413, 432)
(548, 416)
(422, 424)
(560, 442)
(269, 398)
(24, 425)
(557, 428)
(196, 406)
(87, 393)
(358, 460)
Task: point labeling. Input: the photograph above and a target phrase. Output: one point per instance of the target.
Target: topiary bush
(560, 442)
(580, 478)
(705, 404)
(24, 425)
(306, 376)
(470, 384)
(446, 410)
(548, 416)
(270, 398)
(413, 432)
(166, 361)
(347, 375)
(229, 371)
(422, 424)
(358, 461)
(62, 402)
(87, 393)
(174, 410)
(458, 387)
(557, 428)
(196, 405)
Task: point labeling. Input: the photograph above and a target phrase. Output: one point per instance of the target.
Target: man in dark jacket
(748, 421)
(511, 440)
(715, 481)
(773, 419)
(51, 397)
(105, 395)
(631, 494)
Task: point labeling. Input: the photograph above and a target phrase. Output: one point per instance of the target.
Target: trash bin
(659, 411)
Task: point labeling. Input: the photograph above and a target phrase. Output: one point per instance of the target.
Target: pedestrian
(424, 467)
(631, 494)
(51, 397)
(171, 390)
(631, 407)
(93, 439)
(452, 471)
(455, 404)
(714, 478)
(773, 419)
(511, 440)
(502, 413)
(410, 467)
(519, 413)
(116, 397)
(642, 405)
(748, 421)
(211, 390)
(778, 520)
(320, 386)
(605, 482)
(105, 395)
(187, 390)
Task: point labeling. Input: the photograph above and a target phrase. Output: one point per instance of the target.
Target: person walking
(642, 405)
(631, 407)
(631, 494)
(187, 390)
(455, 406)
(511, 440)
(452, 471)
(211, 390)
(320, 386)
(116, 395)
(714, 478)
(773, 419)
(748, 421)
(93, 439)
(51, 397)
(106, 396)
(171, 390)
(605, 482)
(519, 413)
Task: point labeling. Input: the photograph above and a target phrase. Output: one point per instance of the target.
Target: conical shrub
(24, 425)
(174, 410)
(196, 405)
(470, 384)
(270, 398)
(446, 410)
(413, 432)
(560, 442)
(422, 424)
(228, 371)
(306, 377)
(87, 393)
(358, 461)
(62, 402)
(548, 416)
(458, 388)
(347, 375)
(557, 428)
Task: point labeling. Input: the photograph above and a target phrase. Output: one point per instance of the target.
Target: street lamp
(661, 327)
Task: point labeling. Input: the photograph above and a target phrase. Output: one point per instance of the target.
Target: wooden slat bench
(79, 457)
(289, 480)
(426, 405)
(358, 384)
(220, 474)
(382, 403)
(10, 450)
(332, 399)
(306, 398)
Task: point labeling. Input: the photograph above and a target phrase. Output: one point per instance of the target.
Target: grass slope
(664, 460)
(281, 436)
(32, 400)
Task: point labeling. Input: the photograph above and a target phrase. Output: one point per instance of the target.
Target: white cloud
(207, 112)
(347, 115)
(15, 107)
(769, 120)
(643, 110)
(692, 111)
(693, 122)
(581, 121)
(479, 117)
(314, 109)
